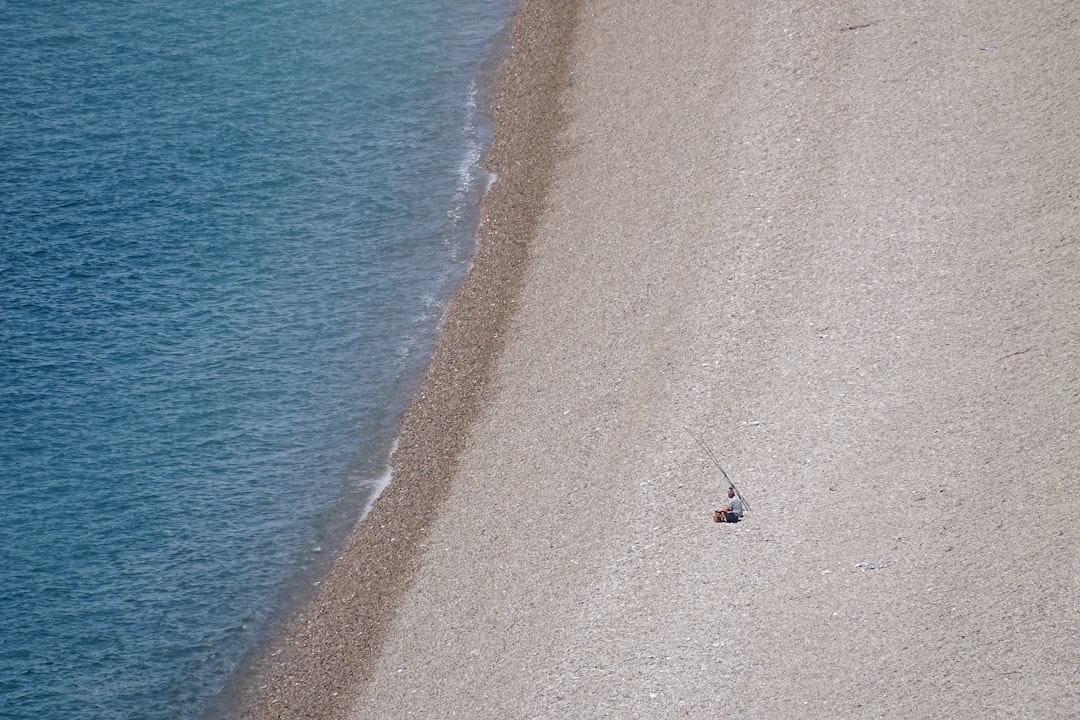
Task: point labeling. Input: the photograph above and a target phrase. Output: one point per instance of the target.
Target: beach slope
(838, 241)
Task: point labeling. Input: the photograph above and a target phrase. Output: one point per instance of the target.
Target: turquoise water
(227, 232)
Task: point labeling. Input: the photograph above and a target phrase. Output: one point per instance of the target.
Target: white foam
(380, 483)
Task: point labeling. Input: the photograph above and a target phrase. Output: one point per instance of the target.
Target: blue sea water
(227, 232)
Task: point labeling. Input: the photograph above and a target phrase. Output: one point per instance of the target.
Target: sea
(228, 234)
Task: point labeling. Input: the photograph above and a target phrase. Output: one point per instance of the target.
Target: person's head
(731, 492)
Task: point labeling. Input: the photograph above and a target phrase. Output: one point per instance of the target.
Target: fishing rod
(718, 467)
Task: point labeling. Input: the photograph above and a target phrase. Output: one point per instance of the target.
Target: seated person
(732, 512)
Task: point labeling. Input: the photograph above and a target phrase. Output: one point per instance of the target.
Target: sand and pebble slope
(839, 242)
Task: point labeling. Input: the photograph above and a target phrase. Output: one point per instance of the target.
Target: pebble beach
(837, 242)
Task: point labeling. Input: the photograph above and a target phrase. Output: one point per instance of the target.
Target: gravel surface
(837, 241)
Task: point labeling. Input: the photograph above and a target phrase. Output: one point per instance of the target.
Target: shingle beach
(839, 242)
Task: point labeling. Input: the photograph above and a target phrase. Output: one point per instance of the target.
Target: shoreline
(327, 649)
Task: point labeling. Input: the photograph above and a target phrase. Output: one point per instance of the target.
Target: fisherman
(733, 511)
